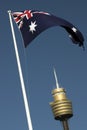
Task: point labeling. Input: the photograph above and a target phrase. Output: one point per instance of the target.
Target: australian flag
(31, 23)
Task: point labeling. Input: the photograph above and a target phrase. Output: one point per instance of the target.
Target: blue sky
(51, 49)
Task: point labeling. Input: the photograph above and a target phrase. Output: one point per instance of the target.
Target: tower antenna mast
(55, 75)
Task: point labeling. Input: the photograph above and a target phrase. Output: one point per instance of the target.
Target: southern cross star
(74, 29)
(32, 26)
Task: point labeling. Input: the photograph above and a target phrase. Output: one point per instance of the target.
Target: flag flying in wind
(31, 23)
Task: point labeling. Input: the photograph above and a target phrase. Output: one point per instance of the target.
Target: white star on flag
(32, 26)
(74, 29)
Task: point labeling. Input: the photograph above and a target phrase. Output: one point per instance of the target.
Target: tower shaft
(65, 125)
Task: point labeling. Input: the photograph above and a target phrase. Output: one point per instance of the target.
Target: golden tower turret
(61, 106)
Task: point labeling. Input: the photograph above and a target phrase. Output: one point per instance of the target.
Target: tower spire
(55, 75)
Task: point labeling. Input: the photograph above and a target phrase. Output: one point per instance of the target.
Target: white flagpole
(21, 76)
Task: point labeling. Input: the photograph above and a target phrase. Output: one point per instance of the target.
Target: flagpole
(21, 75)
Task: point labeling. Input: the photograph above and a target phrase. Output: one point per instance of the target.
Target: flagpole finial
(9, 11)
